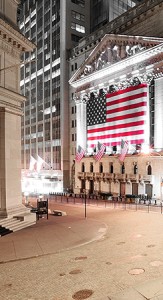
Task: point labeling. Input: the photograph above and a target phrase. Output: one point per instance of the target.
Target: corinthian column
(81, 119)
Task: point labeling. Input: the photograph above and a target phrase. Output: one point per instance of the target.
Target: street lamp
(85, 204)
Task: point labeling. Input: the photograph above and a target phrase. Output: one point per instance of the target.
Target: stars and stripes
(79, 154)
(118, 115)
(100, 151)
(124, 149)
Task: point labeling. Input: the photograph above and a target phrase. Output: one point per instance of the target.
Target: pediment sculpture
(110, 55)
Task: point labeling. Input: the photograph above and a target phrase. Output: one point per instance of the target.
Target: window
(149, 170)
(114, 149)
(111, 168)
(73, 123)
(101, 168)
(135, 168)
(123, 169)
(77, 16)
(83, 167)
(78, 27)
(75, 38)
(91, 167)
(79, 2)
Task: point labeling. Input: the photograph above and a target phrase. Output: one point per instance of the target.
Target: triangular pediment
(112, 49)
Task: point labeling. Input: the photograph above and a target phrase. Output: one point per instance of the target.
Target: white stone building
(129, 61)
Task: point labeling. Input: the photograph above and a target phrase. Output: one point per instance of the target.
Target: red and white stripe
(126, 118)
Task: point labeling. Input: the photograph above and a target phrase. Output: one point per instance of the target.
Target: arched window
(149, 170)
(111, 168)
(123, 169)
(91, 167)
(101, 168)
(83, 167)
(135, 168)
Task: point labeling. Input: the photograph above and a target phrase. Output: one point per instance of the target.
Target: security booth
(42, 208)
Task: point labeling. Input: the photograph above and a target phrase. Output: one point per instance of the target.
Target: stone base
(15, 211)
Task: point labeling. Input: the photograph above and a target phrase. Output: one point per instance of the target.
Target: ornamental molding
(83, 98)
(16, 99)
(15, 37)
(8, 48)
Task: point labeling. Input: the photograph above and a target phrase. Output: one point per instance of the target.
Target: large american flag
(116, 116)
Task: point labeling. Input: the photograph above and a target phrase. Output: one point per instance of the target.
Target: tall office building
(55, 27)
(103, 11)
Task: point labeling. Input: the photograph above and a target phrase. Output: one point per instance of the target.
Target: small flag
(100, 151)
(40, 162)
(32, 164)
(124, 149)
(79, 154)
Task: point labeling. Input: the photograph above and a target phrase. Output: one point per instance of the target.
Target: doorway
(82, 185)
(122, 189)
(91, 186)
(134, 188)
(148, 190)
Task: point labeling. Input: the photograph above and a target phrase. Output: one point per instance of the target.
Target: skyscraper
(55, 27)
(103, 11)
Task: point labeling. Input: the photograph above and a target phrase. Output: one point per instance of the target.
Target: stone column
(10, 154)
(81, 118)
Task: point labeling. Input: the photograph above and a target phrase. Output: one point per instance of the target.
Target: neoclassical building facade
(125, 73)
(12, 45)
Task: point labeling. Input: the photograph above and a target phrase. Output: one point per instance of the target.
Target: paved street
(112, 254)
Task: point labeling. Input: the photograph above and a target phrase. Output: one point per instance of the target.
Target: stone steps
(13, 224)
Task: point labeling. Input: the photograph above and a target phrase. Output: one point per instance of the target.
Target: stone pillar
(81, 118)
(10, 154)
(158, 129)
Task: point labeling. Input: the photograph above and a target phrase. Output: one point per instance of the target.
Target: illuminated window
(78, 27)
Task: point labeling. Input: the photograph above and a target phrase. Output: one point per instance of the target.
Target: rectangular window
(79, 2)
(77, 16)
(75, 38)
(78, 27)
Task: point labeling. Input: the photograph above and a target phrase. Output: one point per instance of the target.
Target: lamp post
(85, 204)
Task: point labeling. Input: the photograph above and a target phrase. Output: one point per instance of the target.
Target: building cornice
(146, 59)
(15, 38)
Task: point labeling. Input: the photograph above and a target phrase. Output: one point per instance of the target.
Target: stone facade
(105, 181)
(12, 45)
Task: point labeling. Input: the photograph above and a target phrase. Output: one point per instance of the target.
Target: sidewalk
(110, 255)
(50, 236)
